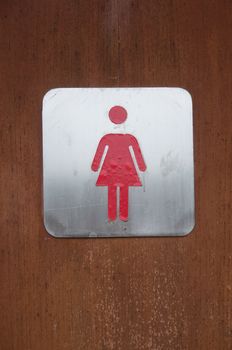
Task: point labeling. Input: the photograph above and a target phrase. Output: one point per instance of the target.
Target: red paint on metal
(117, 114)
(118, 170)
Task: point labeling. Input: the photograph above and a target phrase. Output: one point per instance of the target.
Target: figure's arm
(98, 155)
(138, 153)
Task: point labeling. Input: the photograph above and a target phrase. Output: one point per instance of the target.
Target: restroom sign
(118, 162)
(118, 168)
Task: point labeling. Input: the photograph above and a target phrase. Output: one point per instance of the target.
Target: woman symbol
(118, 169)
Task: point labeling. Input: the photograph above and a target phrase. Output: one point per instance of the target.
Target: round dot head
(117, 114)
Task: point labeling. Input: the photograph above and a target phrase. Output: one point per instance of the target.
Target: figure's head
(117, 114)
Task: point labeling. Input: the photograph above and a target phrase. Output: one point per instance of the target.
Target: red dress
(118, 167)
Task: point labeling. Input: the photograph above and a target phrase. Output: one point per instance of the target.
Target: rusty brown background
(122, 294)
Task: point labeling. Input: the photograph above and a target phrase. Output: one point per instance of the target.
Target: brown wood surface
(122, 294)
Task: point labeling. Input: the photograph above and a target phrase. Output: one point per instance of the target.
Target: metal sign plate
(118, 162)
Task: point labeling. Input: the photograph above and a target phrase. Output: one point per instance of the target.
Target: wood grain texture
(122, 294)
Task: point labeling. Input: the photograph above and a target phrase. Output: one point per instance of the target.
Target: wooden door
(105, 294)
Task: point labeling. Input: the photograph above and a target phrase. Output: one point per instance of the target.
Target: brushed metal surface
(74, 121)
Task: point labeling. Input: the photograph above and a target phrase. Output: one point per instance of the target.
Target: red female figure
(118, 169)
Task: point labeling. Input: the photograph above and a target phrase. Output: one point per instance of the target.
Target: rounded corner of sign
(48, 229)
(185, 92)
(189, 229)
(50, 94)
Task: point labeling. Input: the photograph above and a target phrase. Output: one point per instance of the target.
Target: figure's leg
(112, 202)
(124, 203)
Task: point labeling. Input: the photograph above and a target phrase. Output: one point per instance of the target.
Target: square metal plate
(138, 181)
